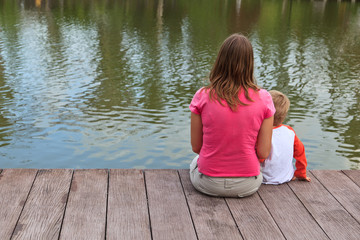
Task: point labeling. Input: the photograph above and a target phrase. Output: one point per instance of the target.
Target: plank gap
(107, 202)
(308, 210)
(232, 215)
(43, 212)
(212, 218)
(147, 203)
(335, 197)
(187, 203)
(281, 201)
(271, 214)
(169, 213)
(85, 215)
(354, 177)
(22, 209)
(330, 215)
(67, 199)
(339, 199)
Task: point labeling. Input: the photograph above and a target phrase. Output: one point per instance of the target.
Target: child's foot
(302, 179)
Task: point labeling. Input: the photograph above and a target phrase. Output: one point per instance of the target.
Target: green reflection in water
(94, 84)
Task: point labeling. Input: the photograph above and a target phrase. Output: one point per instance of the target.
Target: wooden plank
(342, 188)
(253, 218)
(288, 212)
(85, 214)
(327, 211)
(15, 185)
(353, 175)
(128, 215)
(169, 215)
(43, 212)
(211, 216)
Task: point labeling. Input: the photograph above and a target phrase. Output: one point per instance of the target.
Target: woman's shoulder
(259, 93)
(267, 101)
(263, 92)
(199, 100)
(202, 92)
(264, 95)
(201, 95)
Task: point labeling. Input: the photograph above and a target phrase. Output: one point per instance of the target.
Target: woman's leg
(242, 187)
(196, 178)
(224, 187)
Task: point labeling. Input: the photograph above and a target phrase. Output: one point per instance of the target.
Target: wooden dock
(162, 204)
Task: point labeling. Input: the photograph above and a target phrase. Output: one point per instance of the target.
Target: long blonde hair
(233, 71)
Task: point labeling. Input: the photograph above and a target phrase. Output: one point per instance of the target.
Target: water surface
(107, 84)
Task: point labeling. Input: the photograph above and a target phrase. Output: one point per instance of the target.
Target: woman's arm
(196, 132)
(263, 147)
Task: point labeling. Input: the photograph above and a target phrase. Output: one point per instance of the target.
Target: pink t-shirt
(229, 137)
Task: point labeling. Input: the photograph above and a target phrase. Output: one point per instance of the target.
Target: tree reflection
(126, 70)
(5, 95)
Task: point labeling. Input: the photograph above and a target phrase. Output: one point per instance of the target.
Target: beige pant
(223, 186)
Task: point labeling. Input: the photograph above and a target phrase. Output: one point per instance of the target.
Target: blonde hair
(233, 71)
(282, 104)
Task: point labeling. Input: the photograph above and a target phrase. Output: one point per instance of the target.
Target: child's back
(278, 167)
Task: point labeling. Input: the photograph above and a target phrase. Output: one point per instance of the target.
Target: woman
(231, 125)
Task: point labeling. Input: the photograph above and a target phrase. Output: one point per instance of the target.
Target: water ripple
(108, 85)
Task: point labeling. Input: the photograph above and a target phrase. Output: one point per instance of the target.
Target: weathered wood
(211, 216)
(85, 214)
(288, 212)
(32, 206)
(253, 218)
(169, 214)
(342, 188)
(353, 175)
(128, 216)
(331, 216)
(15, 185)
(43, 212)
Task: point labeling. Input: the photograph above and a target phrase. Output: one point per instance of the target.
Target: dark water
(107, 83)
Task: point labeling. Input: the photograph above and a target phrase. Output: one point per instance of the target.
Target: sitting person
(229, 118)
(278, 167)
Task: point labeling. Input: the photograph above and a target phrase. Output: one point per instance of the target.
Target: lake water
(107, 83)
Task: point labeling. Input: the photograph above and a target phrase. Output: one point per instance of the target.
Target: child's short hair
(282, 104)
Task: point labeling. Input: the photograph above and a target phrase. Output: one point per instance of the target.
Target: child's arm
(301, 162)
(299, 155)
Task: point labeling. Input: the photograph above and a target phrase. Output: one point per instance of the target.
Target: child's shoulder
(287, 127)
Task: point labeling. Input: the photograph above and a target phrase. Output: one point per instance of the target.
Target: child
(278, 167)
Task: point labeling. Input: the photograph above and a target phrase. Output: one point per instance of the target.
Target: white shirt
(278, 168)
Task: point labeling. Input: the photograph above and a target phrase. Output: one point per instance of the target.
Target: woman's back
(229, 137)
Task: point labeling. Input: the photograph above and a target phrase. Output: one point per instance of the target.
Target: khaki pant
(223, 186)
